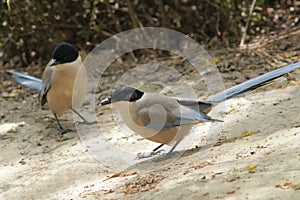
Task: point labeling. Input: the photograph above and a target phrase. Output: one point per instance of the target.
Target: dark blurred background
(31, 29)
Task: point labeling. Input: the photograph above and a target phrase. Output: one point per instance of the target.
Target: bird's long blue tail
(247, 86)
(251, 84)
(26, 80)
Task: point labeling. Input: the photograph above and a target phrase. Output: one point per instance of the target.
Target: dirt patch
(38, 163)
(255, 157)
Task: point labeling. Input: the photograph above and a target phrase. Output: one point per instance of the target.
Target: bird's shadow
(163, 160)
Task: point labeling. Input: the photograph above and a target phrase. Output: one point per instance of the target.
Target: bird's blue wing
(188, 116)
(44, 90)
(194, 104)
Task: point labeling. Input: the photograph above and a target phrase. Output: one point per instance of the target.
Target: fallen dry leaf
(230, 192)
(95, 193)
(200, 164)
(122, 174)
(142, 184)
(249, 133)
(288, 185)
(251, 167)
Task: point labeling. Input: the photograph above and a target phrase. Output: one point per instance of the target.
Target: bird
(58, 81)
(166, 119)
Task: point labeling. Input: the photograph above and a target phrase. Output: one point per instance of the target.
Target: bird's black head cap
(123, 93)
(64, 53)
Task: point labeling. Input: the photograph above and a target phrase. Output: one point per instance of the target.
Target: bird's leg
(169, 154)
(60, 128)
(172, 149)
(84, 121)
(154, 151)
(150, 154)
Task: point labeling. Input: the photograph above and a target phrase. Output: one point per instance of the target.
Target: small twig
(103, 32)
(219, 8)
(163, 13)
(135, 20)
(247, 24)
(273, 39)
(264, 55)
(116, 20)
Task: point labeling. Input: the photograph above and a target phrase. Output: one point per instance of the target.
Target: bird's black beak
(106, 101)
(55, 62)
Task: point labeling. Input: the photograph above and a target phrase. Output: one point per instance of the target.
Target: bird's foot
(147, 154)
(166, 157)
(63, 130)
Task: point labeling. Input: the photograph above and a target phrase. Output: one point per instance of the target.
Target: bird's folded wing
(43, 92)
(186, 116)
(195, 104)
(46, 79)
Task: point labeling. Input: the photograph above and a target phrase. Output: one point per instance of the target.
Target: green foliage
(8, 5)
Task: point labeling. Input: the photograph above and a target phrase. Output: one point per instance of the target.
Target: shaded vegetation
(31, 29)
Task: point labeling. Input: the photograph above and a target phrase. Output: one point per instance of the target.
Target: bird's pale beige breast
(171, 135)
(60, 95)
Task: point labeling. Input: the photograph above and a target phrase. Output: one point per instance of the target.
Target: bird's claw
(63, 131)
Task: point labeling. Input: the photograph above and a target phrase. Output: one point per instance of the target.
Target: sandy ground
(255, 155)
